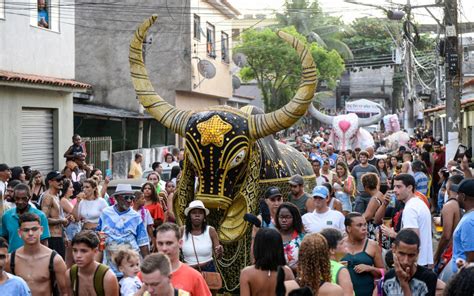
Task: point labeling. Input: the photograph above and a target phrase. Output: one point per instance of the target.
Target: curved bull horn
(261, 125)
(327, 119)
(374, 119)
(166, 114)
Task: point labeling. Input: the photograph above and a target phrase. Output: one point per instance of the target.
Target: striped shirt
(421, 181)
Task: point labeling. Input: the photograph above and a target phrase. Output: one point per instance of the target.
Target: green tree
(309, 20)
(276, 67)
(373, 37)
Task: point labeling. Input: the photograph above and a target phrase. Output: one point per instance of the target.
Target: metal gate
(99, 152)
(37, 139)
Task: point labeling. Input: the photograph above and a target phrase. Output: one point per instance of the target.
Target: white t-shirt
(320, 180)
(90, 210)
(315, 222)
(146, 216)
(129, 286)
(3, 187)
(417, 215)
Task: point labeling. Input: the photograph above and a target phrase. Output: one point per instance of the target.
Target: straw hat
(195, 204)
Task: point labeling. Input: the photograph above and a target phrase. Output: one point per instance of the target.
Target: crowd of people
(377, 222)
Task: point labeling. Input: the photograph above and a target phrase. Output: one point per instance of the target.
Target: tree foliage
(275, 66)
(309, 20)
(374, 37)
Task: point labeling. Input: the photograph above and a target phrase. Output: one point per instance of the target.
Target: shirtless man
(32, 262)
(450, 215)
(84, 249)
(52, 209)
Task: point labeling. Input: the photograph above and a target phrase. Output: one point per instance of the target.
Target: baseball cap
(320, 191)
(272, 192)
(54, 175)
(4, 167)
(296, 180)
(466, 186)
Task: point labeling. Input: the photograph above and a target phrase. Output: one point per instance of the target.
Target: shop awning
(107, 112)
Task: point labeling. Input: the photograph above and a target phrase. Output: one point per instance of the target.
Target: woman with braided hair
(314, 267)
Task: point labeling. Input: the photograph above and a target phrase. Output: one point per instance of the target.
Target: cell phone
(108, 173)
(460, 151)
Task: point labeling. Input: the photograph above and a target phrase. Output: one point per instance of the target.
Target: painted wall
(103, 38)
(171, 58)
(221, 84)
(27, 48)
(13, 99)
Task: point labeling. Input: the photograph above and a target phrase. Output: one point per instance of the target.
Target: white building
(36, 82)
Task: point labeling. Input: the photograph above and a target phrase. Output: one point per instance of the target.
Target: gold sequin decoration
(213, 130)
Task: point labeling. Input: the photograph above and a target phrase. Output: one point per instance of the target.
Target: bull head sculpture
(221, 148)
(346, 129)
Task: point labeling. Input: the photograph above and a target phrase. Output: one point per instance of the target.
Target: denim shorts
(72, 229)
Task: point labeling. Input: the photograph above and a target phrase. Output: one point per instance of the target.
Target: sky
(349, 12)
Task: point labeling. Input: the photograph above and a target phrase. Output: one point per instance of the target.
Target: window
(2, 9)
(211, 41)
(197, 27)
(235, 34)
(45, 15)
(44, 11)
(224, 47)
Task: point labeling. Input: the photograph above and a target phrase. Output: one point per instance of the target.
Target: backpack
(98, 279)
(52, 274)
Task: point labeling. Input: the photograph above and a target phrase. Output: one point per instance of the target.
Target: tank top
(335, 269)
(203, 245)
(331, 204)
(300, 203)
(363, 282)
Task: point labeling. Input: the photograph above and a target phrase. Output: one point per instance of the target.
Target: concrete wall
(27, 48)
(121, 160)
(371, 81)
(13, 99)
(102, 40)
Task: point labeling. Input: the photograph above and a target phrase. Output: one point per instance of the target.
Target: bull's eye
(238, 158)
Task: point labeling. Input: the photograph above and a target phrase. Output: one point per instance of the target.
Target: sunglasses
(3, 256)
(128, 197)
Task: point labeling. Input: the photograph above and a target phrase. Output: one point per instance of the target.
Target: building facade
(36, 82)
(186, 34)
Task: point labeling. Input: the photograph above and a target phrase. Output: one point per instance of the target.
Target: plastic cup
(387, 221)
(437, 223)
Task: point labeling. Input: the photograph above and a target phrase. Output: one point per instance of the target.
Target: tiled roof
(37, 79)
(464, 103)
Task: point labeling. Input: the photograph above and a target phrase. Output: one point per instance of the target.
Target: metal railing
(99, 152)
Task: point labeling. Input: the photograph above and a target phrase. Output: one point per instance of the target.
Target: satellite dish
(239, 59)
(235, 82)
(206, 69)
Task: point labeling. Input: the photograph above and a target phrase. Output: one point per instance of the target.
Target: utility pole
(453, 77)
(409, 68)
